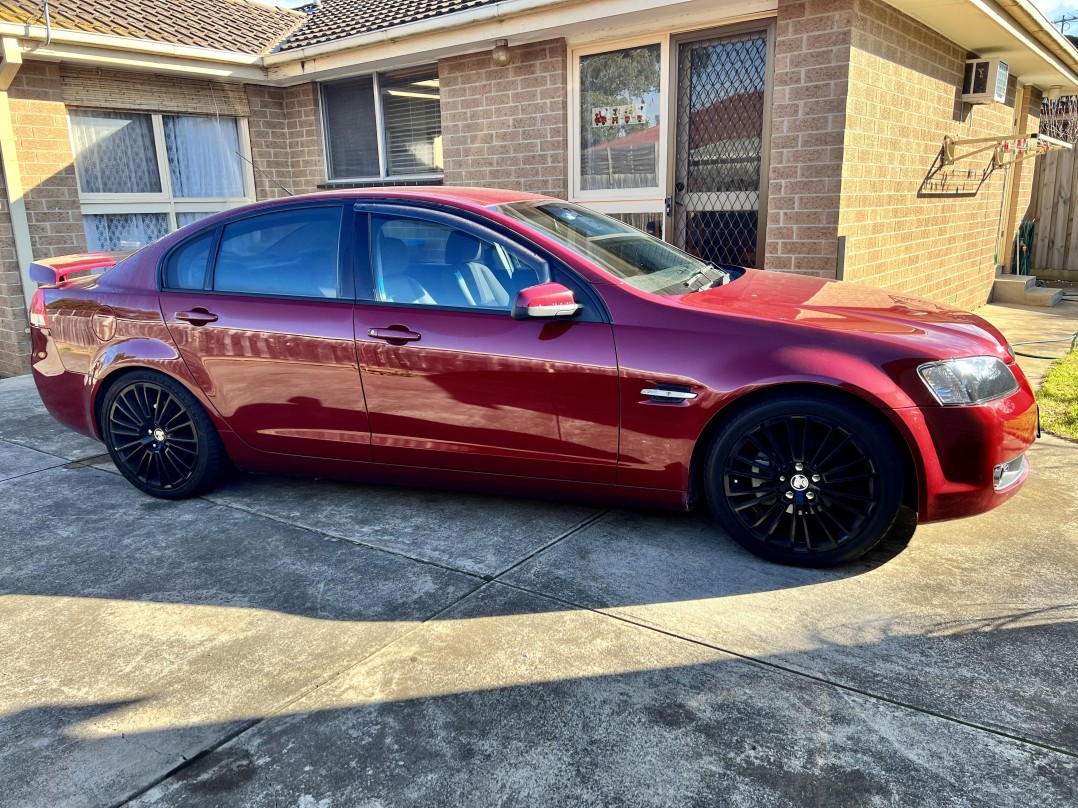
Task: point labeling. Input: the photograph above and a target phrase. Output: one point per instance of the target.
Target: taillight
(38, 316)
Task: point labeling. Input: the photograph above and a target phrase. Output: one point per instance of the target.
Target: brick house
(795, 135)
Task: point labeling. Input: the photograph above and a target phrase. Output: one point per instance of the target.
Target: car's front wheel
(160, 438)
(805, 481)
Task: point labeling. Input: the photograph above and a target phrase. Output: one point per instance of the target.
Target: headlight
(972, 380)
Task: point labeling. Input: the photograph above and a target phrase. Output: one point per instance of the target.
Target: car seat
(475, 282)
(397, 284)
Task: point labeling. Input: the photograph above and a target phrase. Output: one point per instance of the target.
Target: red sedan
(508, 342)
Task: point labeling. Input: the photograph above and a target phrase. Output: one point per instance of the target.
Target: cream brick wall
(270, 150)
(45, 158)
(812, 47)
(303, 130)
(14, 346)
(506, 127)
(43, 148)
(903, 98)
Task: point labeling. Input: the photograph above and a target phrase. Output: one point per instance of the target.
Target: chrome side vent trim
(668, 393)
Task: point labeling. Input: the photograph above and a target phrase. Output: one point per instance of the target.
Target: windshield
(625, 252)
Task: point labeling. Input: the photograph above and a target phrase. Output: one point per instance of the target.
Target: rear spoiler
(65, 267)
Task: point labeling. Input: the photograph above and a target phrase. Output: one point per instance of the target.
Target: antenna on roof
(274, 180)
(241, 155)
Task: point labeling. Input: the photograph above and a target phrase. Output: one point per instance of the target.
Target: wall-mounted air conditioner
(985, 81)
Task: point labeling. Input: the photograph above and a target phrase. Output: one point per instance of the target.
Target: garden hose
(1072, 339)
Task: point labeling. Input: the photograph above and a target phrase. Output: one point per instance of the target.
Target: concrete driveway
(309, 643)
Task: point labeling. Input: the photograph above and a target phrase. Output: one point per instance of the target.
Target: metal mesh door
(720, 117)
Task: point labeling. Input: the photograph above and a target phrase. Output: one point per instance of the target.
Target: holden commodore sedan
(507, 342)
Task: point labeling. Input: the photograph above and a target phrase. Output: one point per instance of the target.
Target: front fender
(658, 440)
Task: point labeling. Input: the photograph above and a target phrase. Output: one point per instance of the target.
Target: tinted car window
(291, 252)
(425, 263)
(186, 267)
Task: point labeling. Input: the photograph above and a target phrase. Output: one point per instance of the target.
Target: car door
(262, 314)
(452, 381)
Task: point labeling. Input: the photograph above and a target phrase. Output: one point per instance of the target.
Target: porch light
(501, 55)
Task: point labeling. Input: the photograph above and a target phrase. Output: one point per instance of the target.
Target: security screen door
(719, 176)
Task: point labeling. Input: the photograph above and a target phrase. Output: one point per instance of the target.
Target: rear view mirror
(544, 301)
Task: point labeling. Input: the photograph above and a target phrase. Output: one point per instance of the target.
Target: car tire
(810, 482)
(160, 437)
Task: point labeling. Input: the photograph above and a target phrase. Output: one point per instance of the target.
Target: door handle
(395, 334)
(197, 316)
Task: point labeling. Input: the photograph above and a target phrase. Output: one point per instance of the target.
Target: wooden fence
(1055, 207)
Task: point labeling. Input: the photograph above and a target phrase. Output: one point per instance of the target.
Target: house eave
(127, 53)
(1012, 30)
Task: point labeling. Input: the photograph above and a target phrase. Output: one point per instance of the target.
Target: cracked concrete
(316, 644)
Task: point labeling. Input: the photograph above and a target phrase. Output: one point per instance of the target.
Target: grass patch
(1058, 398)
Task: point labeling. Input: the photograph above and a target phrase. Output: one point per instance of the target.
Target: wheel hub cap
(799, 482)
(159, 435)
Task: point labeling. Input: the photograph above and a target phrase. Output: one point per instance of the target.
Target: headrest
(394, 255)
(461, 248)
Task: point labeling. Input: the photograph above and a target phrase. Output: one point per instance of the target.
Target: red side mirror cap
(545, 301)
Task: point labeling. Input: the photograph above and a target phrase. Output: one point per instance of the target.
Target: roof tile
(239, 26)
(337, 19)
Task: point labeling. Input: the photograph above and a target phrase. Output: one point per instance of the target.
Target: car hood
(836, 306)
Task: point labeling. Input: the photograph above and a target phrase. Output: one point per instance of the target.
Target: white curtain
(184, 219)
(114, 152)
(123, 231)
(203, 157)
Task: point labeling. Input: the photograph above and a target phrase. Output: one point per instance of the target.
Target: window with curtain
(143, 175)
(383, 126)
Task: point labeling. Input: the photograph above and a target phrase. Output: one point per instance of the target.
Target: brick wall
(270, 150)
(51, 196)
(506, 127)
(39, 118)
(903, 98)
(14, 345)
(812, 47)
(303, 131)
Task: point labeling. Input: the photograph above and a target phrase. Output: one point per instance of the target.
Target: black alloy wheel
(160, 438)
(805, 481)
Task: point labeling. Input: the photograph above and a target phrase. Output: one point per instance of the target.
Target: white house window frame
(93, 204)
(648, 200)
(644, 200)
(379, 122)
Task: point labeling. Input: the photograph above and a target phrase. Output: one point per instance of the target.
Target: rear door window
(291, 253)
(188, 264)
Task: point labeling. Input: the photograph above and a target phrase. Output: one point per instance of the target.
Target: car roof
(432, 193)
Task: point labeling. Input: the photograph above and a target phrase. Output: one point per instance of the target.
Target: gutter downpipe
(10, 63)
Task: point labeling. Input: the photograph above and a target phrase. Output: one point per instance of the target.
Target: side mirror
(545, 300)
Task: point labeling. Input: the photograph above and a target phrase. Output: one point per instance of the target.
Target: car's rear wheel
(805, 481)
(160, 437)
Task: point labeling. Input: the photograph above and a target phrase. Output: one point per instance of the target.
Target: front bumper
(962, 448)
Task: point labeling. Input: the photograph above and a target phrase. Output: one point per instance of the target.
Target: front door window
(619, 119)
(671, 137)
